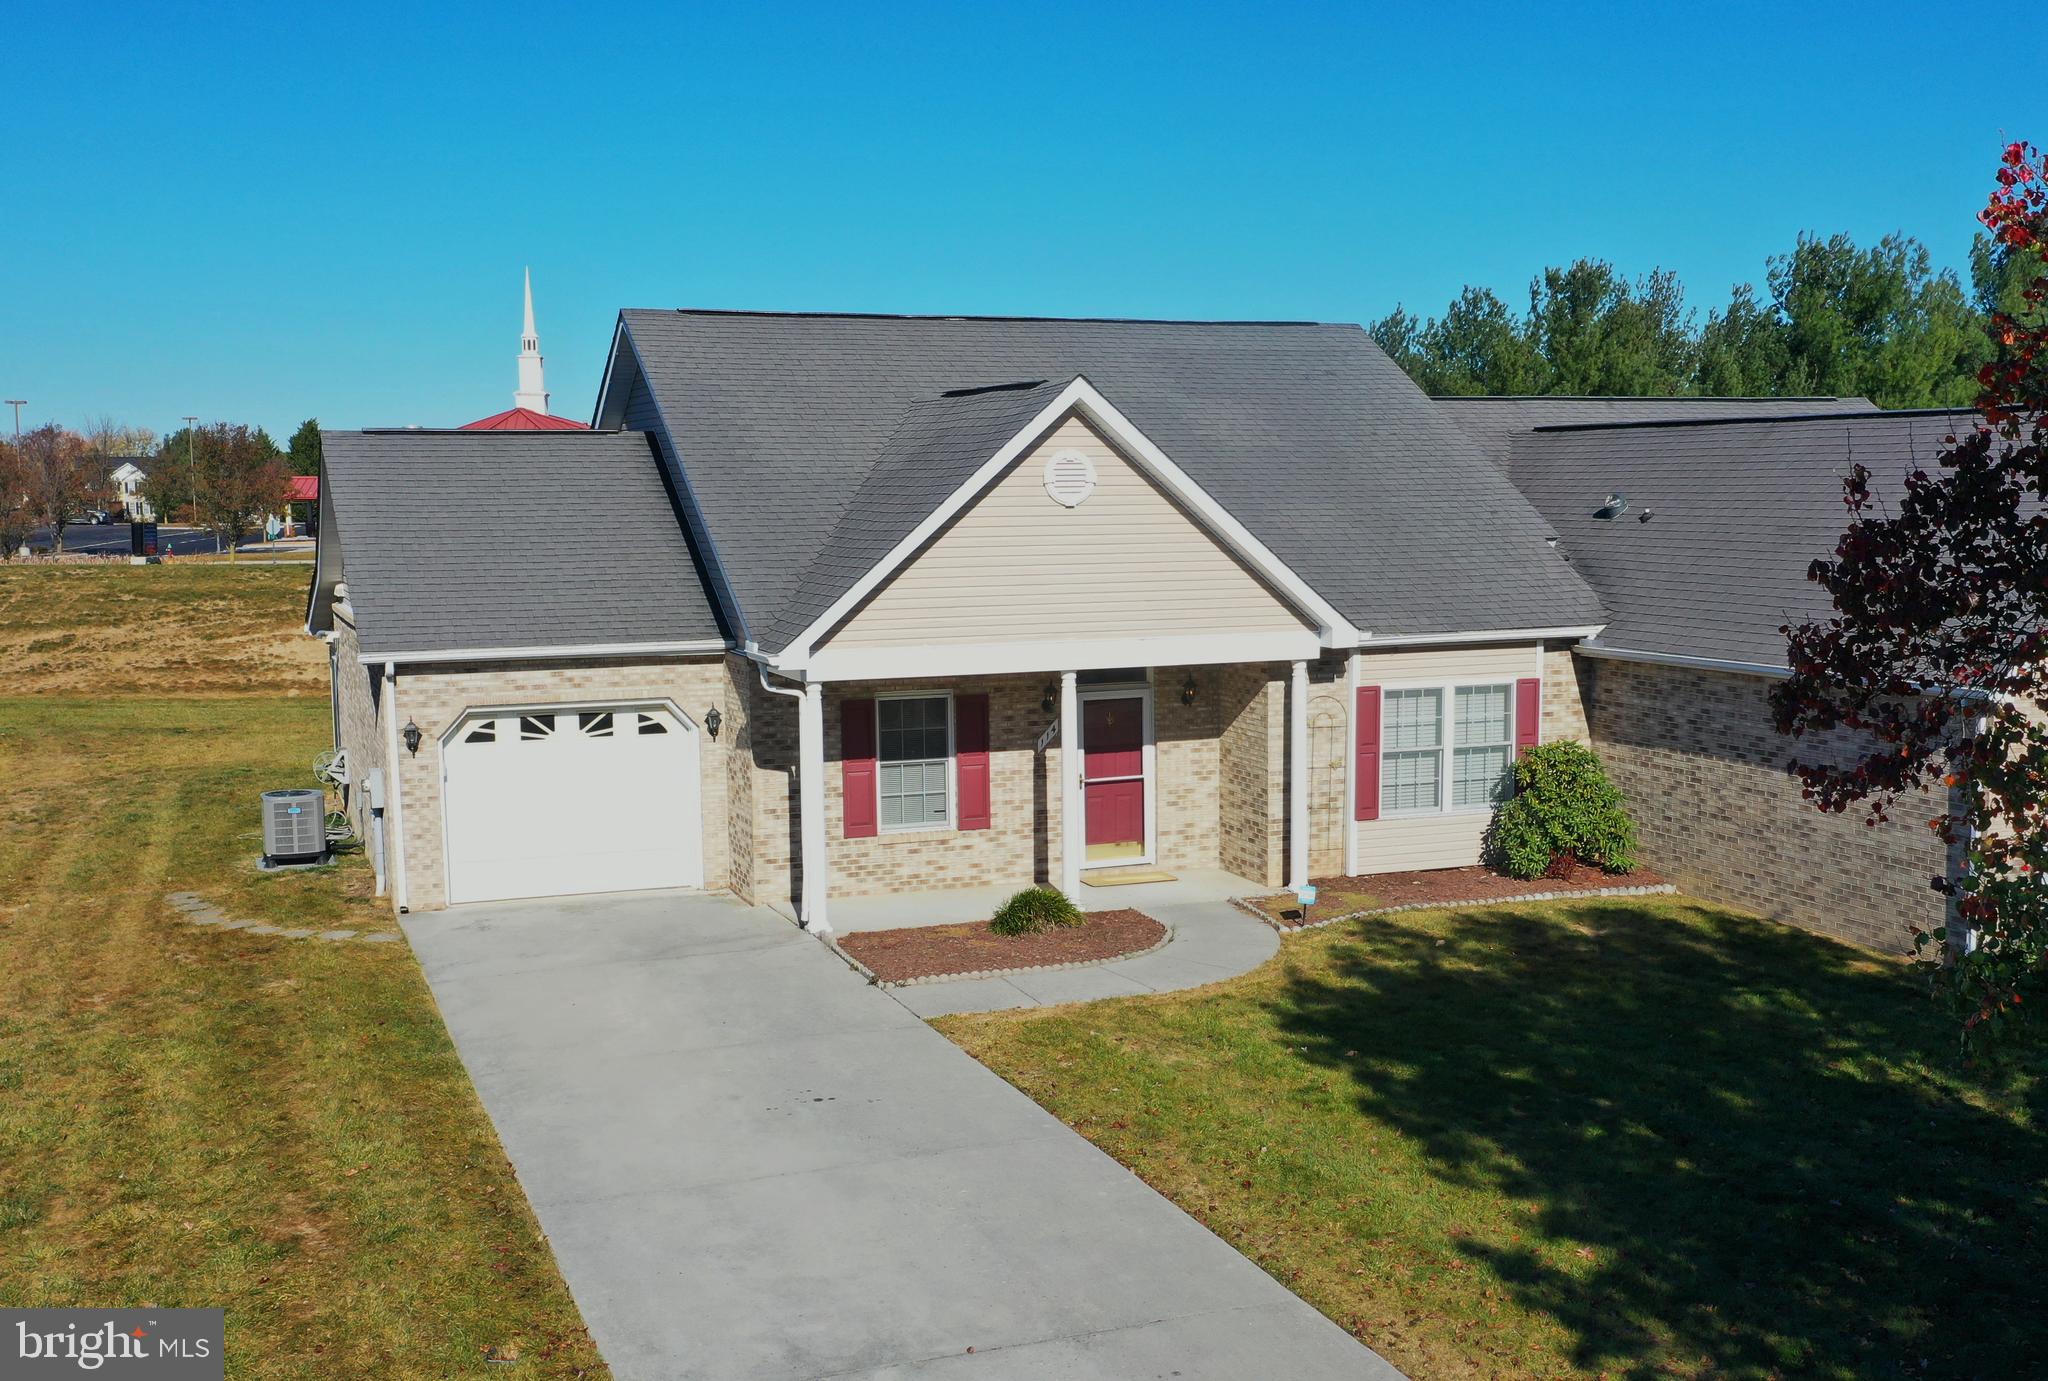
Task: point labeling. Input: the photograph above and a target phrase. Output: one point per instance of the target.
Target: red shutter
(857, 767)
(970, 758)
(1528, 713)
(1366, 778)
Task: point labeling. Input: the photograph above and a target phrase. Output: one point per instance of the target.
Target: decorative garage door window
(915, 748)
(538, 728)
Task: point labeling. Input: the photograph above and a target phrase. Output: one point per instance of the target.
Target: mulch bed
(932, 951)
(1340, 896)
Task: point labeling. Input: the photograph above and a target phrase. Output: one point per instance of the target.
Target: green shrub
(1564, 808)
(1034, 909)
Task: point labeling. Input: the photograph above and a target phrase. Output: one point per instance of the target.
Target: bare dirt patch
(932, 951)
(182, 629)
(1341, 896)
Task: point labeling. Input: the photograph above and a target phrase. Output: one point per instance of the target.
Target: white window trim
(1446, 736)
(952, 765)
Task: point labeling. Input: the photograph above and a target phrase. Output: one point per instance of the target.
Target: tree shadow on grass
(1762, 1136)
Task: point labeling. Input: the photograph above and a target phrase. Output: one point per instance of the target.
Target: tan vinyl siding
(1439, 839)
(1126, 562)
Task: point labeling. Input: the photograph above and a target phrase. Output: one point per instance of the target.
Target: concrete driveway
(751, 1164)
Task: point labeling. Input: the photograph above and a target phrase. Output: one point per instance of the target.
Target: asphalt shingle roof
(1736, 512)
(806, 439)
(479, 540)
(1495, 422)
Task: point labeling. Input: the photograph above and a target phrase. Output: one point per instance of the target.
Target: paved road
(752, 1165)
(112, 538)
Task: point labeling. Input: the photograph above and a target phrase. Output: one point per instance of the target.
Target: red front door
(1113, 773)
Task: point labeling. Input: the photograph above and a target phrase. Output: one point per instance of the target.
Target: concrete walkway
(1212, 941)
(752, 1165)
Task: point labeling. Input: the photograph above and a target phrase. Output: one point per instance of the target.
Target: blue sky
(262, 213)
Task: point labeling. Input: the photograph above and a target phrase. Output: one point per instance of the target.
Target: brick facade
(1566, 689)
(1252, 771)
(436, 697)
(357, 694)
(1704, 773)
(1220, 767)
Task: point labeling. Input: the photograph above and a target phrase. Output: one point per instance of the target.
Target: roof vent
(1616, 505)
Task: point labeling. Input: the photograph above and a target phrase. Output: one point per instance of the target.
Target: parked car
(96, 516)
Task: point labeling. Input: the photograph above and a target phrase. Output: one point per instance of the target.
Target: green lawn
(197, 1117)
(1640, 1138)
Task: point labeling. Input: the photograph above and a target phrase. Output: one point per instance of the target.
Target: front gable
(1127, 561)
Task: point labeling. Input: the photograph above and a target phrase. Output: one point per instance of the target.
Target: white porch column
(1353, 669)
(810, 736)
(1297, 775)
(1073, 834)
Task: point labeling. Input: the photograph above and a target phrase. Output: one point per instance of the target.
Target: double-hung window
(1412, 752)
(1482, 745)
(1445, 748)
(914, 761)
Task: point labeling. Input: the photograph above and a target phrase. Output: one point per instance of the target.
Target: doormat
(1124, 877)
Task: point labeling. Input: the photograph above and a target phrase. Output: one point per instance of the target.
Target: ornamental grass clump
(1564, 809)
(1034, 909)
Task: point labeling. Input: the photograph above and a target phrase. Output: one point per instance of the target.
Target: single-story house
(1698, 531)
(833, 605)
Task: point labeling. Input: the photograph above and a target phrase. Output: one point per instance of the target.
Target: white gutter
(1486, 635)
(1677, 659)
(537, 654)
(395, 830)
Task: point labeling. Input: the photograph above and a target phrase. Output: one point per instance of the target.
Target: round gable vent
(1069, 477)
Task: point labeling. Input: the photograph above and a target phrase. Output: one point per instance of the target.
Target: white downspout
(810, 799)
(401, 893)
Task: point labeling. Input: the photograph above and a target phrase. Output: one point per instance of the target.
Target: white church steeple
(533, 391)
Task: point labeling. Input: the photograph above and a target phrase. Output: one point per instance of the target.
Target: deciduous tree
(240, 476)
(1935, 660)
(61, 476)
(17, 515)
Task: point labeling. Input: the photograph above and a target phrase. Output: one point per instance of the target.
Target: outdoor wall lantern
(1189, 690)
(411, 734)
(712, 719)
(1052, 697)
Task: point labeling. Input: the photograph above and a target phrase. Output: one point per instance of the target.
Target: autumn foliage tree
(61, 475)
(1936, 657)
(17, 515)
(240, 476)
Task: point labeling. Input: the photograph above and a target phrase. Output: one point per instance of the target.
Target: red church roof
(523, 420)
(303, 489)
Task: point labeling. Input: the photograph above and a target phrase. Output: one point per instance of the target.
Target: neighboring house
(1701, 560)
(837, 605)
(126, 479)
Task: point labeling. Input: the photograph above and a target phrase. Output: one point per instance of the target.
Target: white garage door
(550, 802)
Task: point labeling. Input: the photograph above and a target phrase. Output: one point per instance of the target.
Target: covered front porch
(931, 799)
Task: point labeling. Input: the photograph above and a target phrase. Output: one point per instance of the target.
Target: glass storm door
(1113, 778)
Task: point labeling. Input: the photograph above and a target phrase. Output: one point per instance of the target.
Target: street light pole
(192, 474)
(17, 404)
